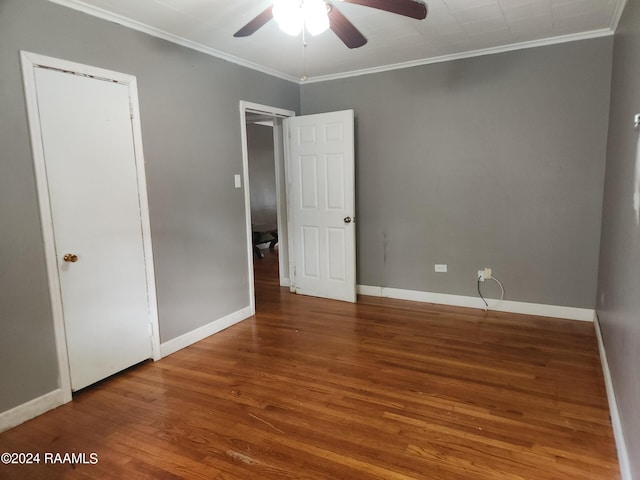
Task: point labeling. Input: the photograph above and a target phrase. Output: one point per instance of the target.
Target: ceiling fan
(318, 15)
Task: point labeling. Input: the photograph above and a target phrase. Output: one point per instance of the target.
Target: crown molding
(170, 37)
(142, 27)
(458, 56)
(617, 15)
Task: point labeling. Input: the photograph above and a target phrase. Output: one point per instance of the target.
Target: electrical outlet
(487, 273)
(481, 275)
(440, 268)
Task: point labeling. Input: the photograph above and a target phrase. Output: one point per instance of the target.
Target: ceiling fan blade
(256, 23)
(344, 29)
(408, 8)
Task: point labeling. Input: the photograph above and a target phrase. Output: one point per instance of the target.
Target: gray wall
(262, 174)
(619, 281)
(191, 133)
(495, 161)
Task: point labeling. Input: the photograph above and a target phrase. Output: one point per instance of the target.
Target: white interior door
(88, 147)
(322, 204)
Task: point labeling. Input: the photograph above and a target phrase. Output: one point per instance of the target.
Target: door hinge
(130, 110)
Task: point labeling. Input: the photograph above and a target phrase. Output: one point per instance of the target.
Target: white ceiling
(453, 28)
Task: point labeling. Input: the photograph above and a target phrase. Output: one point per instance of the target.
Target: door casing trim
(276, 113)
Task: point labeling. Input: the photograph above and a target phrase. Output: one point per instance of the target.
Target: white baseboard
(554, 311)
(200, 333)
(33, 408)
(38, 406)
(616, 423)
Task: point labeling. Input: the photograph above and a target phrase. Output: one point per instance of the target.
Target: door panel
(321, 168)
(309, 182)
(91, 173)
(335, 182)
(337, 261)
(310, 250)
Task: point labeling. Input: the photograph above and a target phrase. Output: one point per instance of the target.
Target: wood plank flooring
(315, 389)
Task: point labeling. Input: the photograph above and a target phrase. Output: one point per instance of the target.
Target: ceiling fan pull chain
(304, 57)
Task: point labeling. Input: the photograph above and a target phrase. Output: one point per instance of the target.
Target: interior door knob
(70, 257)
(347, 219)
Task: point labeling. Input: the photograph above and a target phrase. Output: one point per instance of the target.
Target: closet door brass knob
(70, 257)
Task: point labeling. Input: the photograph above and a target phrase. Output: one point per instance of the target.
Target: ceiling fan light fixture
(289, 16)
(316, 18)
(293, 16)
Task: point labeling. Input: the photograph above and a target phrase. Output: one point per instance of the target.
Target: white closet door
(91, 174)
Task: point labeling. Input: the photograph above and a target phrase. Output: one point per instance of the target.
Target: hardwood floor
(317, 389)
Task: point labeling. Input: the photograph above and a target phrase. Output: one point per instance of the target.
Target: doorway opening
(264, 165)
